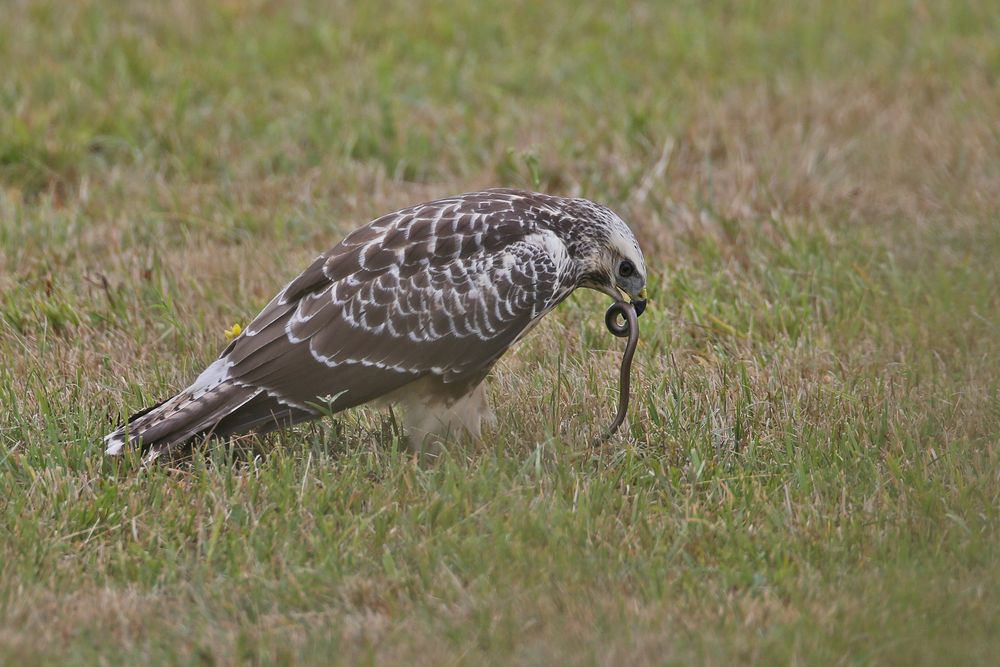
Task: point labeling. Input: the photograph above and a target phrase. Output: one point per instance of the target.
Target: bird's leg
(433, 419)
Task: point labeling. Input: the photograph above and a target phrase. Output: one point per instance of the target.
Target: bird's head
(609, 254)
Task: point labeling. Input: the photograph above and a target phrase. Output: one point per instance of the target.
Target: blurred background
(808, 473)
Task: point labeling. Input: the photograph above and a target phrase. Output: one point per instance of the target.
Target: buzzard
(413, 308)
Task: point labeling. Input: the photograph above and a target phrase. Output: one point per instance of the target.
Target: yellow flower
(233, 333)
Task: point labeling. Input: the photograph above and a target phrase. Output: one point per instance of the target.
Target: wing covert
(441, 291)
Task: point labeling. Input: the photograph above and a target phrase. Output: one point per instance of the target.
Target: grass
(809, 473)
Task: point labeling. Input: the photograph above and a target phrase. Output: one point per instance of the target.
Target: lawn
(810, 471)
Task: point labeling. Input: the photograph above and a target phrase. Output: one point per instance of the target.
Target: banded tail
(214, 405)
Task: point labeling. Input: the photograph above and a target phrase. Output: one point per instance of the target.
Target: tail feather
(178, 420)
(213, 405)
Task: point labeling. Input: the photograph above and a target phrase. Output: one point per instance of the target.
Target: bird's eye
(626, 268)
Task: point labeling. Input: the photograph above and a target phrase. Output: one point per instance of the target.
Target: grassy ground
(811, 469)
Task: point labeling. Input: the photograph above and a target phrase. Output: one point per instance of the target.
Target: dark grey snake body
(629, 328)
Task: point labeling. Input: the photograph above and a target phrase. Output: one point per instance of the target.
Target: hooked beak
(638, 301)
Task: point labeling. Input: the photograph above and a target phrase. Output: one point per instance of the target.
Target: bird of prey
(414, 308)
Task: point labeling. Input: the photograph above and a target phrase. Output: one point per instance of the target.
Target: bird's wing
(444, 288)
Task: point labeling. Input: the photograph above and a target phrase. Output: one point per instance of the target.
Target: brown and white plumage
(414, 307)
